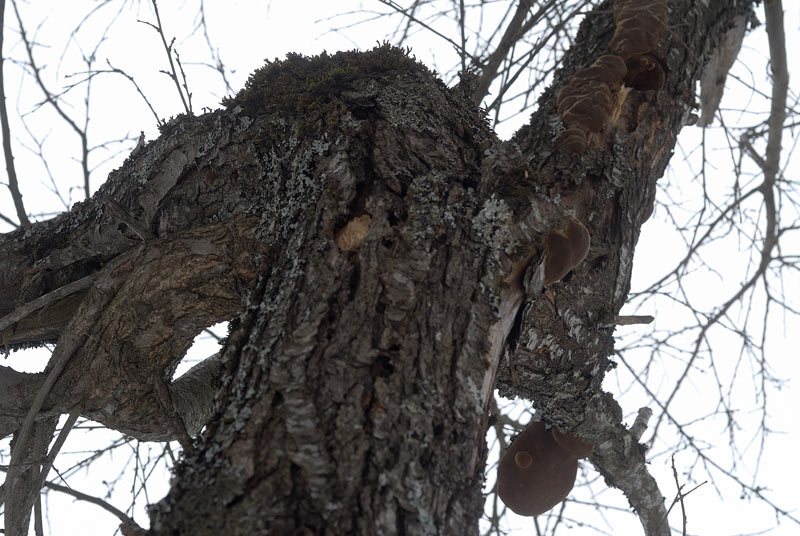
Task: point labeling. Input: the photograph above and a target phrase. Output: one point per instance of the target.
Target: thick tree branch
(773, 12)
(216, 261)
(32, 332)
(512, 34)
(560, 358)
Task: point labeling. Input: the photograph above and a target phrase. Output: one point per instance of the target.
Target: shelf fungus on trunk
(640, 25)
(572, 140)
(565, 250)
(538, 470)
(586, 103)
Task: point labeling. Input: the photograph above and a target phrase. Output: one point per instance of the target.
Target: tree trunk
(386, 252)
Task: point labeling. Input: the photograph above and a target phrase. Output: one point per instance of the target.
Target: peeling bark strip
(712, 83)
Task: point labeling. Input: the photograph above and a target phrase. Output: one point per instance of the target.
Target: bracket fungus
(640, 24)
(538, 470)
(572, 140)
(644, 73)
(586, 102)
(608, 69)
(564, 251)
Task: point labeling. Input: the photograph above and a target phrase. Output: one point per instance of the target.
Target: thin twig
(8, 220)
(219, 65)
(679, 495)
(168, 48)
(159, 121)
(56, 448)
(13, 184)
(94, 500)
(185, 83)
(53, 100)
(394, 5)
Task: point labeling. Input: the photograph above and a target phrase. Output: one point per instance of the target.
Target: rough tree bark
(383, 252)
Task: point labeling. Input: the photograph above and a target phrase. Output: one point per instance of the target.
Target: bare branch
(168, 48)
(512, 34)
(53, 100)
(770, 166)
(94, 500)
(409, 14)
(13, 184)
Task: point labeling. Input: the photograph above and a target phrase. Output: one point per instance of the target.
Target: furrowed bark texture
(382, 253)
(149, 298)
(361, 374)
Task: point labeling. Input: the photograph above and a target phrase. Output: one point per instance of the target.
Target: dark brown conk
(586, 102)
(644, 73)
(640, 25)
(565, 250)
(538, 471)
(572, 140)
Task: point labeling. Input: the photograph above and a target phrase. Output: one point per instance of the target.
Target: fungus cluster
(640, 24)
(538, 471)
(585, 105)
(565, 250)
(644, 73)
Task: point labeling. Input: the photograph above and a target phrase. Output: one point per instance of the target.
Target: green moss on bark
(311, 86)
